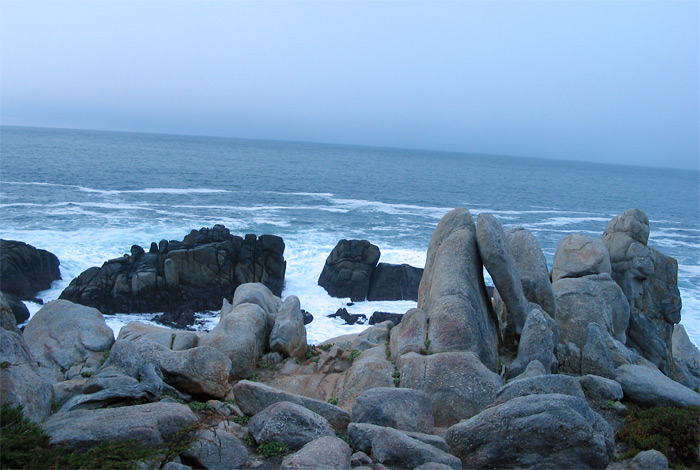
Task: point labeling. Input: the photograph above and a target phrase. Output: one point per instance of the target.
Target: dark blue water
(88, 196)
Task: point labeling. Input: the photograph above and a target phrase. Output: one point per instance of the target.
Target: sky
(615, 82)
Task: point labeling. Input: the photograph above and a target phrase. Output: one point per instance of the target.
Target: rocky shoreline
(536, 376)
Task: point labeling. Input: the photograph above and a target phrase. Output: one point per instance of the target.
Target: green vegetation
(4, 365)
(272, 449)
(263, 364)
(343, 436)
(249, 440)
(242, 420)
(253, 377)
(607, 404)
(354, 354)
(675, 432)
(325, 347)
(333, 401)
(425, 350)
(312, 351)
(200, 406)
(105, 356)
(397, 378)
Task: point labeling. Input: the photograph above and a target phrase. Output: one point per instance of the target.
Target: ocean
(87, 196)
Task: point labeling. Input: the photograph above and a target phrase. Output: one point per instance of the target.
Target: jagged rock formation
(25, 270)
(193, 275)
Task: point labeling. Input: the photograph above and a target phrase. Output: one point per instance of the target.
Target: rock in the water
(150, 424)
(649, 387)
(499, 261)
(537, 342)
(399, 408)
(289, 424)
(410, 334)
(687, 358)
(325, 452)
(349, 318)
(25, 270)
(458, 384)
(288, 336)
(253, 397)
(452, 291)
(348, 269)
(189, 276)
(580, 255)
(380, 317)
(595, 356)
(217, 449)
(65, 337)
(542, 431)
(20, 380)
(394, 282)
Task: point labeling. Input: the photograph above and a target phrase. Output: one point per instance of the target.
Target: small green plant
(672, 431)
(426, 350)
(262, 365)
(105, 356)
(607, 404)
(354, 354)
(325, 347)
(249, 440)
(296, 359)
(333, 400)
(272, 449)
(343, 436)
(253, 377)
(200, 406)
(4, 365)
(87, 374)
(397, 378)
(311, 351)
(242, 420)
(316, 359)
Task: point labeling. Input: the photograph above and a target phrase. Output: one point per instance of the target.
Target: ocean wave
(391, 209)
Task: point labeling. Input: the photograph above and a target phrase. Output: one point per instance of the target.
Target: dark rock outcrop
(394, 282)
(349, 318)
(19, 310)
(348, 269)
(25, 270)
(193, 275)
(380, 317)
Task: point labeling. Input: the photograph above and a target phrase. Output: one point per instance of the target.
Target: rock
(113, 397)
(580, 255)
(452, 292)
(151, 424)
(594, 298)
(686, 357)
(288, 336)
(500, 263)
(458, 384)
(392, 447)
(8, 319)
(537, 342)
(20, 380)
(543, 431)
(349, 318)
(362, 434)
(217, 449)
(649, 387)
(182, 277)
(569, 358)
(399, 408)
(62, 335)
(177, 340)
(25, 270)
(360, 458)
(649, 460)
(328, 452)
(533, 369)
(380, 317)
(258, 294)
(242, 335)
(410, 334)
(633, 223)
(532, 268)
(253, 397)
(600, 388)
(64, 391)
(394, 282)
(308, 318)
(541, 385)
(289, 424)
(370, 370)
(433, 466)
(16, 306)
(348, 269)
(595, 357)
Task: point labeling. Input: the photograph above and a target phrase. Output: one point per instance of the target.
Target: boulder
(458, 384)
(543, 431)
(151, 424)
(370, 370)
(649, 460)
(113, 397)
(20, 380)
(25, 270)
(348, 269)
(600, 388)
(499, 261)
(537, 342)
(193, 275)
(8, 320)
(380, 317)
(258, 294)
(532, 268)
(579, 255)
(687, 358)
(217, 449)
(595, 356)
(592, 298)
(349, 318)
(452, 292)
(253, 397)
(392, 447)
(540, 385)
(394, 282)
(328, 452)
(177, 340)
(533, 369)
(63, 335)
(289, 424)
(16, 306)
(399, 408)
(649, 387)
(288, 335)
(410, 334)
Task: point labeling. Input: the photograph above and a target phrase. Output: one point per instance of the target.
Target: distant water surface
(87, 196)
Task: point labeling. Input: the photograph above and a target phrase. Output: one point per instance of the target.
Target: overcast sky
(593, 80)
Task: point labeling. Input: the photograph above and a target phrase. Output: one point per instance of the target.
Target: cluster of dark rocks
(463, 381)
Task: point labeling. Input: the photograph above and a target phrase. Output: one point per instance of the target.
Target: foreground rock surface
(289, 424)
(327, 452)
(649, 387)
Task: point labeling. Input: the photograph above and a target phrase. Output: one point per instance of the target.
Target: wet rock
(26, 270)
(394, 282)
(348, 269)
